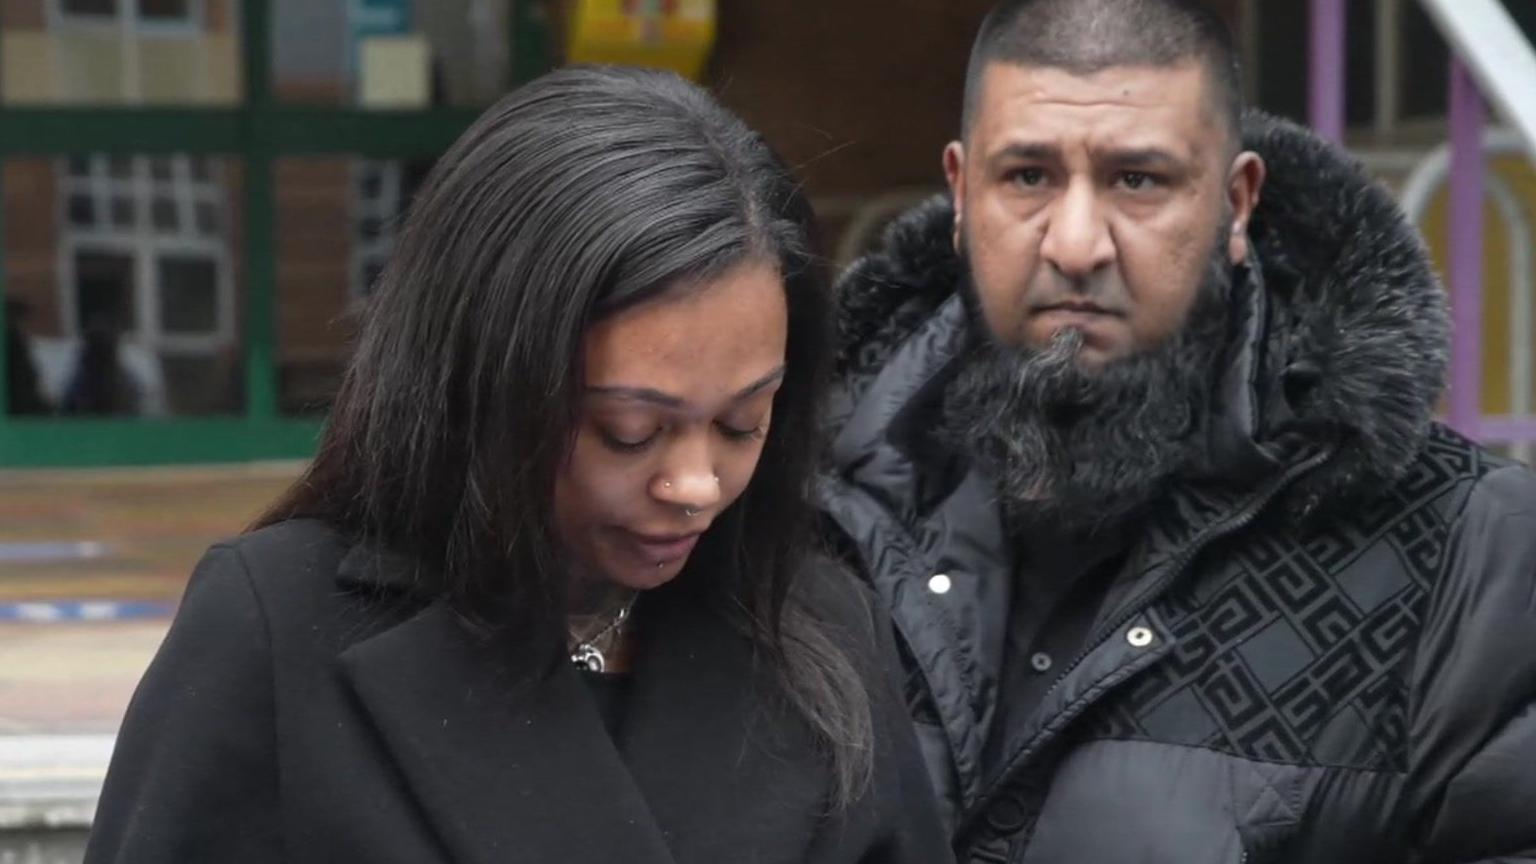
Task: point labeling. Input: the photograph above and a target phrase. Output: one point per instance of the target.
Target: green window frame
(257, 132)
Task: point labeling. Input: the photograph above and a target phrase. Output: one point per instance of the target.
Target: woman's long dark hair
(579, 195)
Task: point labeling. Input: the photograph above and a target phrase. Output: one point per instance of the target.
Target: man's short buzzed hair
(1088, 36)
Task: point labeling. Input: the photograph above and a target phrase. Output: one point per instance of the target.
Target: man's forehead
(1132, 106)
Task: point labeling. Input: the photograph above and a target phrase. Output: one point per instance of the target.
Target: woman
(544, 593)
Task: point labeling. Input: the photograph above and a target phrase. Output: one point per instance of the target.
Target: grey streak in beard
(1084, 450)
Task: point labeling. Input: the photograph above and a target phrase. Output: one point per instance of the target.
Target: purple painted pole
(1468, 167)
(1326, 81)
(1507, 428)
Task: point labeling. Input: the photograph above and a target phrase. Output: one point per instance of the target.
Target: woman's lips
(663, 549)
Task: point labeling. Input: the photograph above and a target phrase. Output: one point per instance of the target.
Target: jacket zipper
(1232, 525)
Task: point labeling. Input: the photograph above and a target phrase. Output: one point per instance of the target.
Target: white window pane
(209, 220)
(82, 211)
(165, 10)
(104, 291)
(163, 215)
(89, 7)
(124, 214)
(189, 294)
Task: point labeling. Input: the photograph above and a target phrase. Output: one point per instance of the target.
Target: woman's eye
(738, 434)
(620, 444)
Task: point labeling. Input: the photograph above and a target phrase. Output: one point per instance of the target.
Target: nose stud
(690, 512)
(667, 484)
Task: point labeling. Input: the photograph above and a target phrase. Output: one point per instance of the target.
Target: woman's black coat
(303, 708)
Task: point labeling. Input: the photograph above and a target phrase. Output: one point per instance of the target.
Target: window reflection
(387, 54)
(337, 220)
(106, 52)
(123, 275)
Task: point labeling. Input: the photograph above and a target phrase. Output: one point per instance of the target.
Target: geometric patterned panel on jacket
(1296, 648)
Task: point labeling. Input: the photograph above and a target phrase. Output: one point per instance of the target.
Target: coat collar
(513, 765)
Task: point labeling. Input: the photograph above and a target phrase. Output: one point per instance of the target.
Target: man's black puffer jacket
(1324, 646)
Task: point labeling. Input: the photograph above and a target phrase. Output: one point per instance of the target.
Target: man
(25, 394)
(1137, 445)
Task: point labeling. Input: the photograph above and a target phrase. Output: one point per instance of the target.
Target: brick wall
(859, 95)
(31, 241)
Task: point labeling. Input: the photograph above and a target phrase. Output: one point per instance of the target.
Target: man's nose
(1077, 240)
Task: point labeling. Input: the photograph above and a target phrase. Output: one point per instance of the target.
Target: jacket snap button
(1139, 637)
(939, 584)
(1041, 662)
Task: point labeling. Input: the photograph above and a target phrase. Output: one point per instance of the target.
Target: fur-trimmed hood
(1344, 342)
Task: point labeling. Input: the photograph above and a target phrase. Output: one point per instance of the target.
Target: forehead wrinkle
(1126, 86)
(1102, 138)
(1125, 99)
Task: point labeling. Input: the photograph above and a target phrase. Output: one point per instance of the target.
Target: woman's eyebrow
(667, 400)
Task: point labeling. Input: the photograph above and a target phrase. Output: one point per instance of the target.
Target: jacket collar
(516, 765)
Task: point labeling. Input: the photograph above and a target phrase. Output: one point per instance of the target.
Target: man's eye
(1027, 177)
(1136, 180)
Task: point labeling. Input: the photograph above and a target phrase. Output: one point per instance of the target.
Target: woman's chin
(645, 575)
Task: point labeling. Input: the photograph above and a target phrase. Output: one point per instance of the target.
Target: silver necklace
(586, 654)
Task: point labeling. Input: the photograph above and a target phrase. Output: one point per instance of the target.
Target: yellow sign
(661, 34)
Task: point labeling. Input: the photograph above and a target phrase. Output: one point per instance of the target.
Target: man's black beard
(1080, 451)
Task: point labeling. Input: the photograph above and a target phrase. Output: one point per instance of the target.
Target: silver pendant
(589, 658)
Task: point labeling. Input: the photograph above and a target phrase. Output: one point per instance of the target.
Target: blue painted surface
(43, 553)
(53, 612)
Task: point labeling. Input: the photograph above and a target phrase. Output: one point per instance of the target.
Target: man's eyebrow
(1142, 157)
(1033, 151)
(1128, 157)
(667, 400)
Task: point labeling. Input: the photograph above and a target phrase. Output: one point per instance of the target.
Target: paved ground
(122, 534)
(91, 566)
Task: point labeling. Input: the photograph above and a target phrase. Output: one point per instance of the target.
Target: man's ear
(1245, 184)
(954, 172)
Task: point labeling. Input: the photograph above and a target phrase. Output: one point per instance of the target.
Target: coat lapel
(506, 770)
(727, 769)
